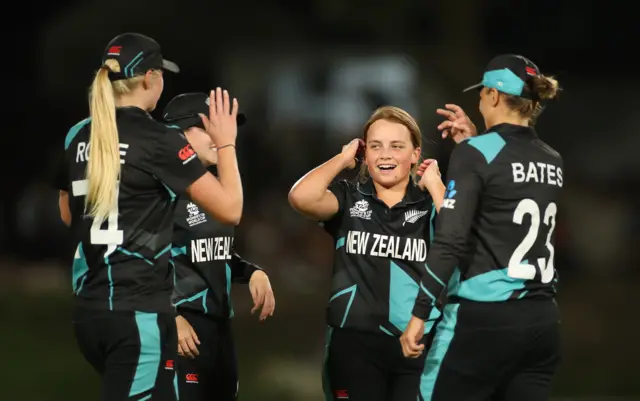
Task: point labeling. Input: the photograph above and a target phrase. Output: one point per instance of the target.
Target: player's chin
(389, 179)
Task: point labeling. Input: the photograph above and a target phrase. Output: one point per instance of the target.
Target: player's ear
(149, 78)
(415, 156)
(494, 96)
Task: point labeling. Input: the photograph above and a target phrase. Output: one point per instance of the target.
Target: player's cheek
(404, 159)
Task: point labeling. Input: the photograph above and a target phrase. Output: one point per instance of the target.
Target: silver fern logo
(413, 215)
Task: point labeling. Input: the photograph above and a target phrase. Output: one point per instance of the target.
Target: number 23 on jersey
(524, 270)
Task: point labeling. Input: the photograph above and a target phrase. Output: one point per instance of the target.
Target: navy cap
(183, 111)
(136, 54)
(509, 73)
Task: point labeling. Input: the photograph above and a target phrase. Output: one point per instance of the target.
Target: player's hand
(221, 124)
(262, 294)
(410, 339)
(187, 338)
(458, 126)
(429, 173)
(349, 152)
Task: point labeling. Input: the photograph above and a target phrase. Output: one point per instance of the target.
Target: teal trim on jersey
(162, 252)
(432, 274)
(438, 350)
(150, 353)
(134, 254)
(128, 69)
(454, 282)
(403, 291)
(79, 269)
(432, 222)
(424, 289)
(340, 243)
(431, 320)
(524, 293)
(204, 301)
(178, 251)
(326, 385)
(175, 279)
(493, 286)
(351, 290)
(74, 131)
(227, 273)
(175, 385)
(145, 398)
(503, 80)
(110, 277)
(192, 298)
(385, 331)
(173, 126)
(171, 193)
(488, 144)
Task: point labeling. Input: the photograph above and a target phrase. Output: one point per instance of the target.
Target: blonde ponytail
(103, 166)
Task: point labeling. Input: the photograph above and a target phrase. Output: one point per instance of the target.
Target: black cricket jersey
(494, 239)
(205, 262)
(123, 263)
(380, 257)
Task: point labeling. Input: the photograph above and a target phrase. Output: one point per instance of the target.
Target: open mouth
(386, 167)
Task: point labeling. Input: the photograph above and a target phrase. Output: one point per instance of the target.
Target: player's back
(122, 264)
(510, 247)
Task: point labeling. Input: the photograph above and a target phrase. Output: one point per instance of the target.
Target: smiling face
(390, 152)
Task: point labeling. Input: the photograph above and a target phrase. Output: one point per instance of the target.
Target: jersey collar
(413, 193)
(506, 128)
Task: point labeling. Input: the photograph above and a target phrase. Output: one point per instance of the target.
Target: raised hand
(458, 126)
(222, 124)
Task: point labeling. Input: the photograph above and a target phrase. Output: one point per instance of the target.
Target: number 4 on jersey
(111, 236)
(526, 271)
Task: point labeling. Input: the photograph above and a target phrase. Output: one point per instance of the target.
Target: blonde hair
(543, 88)
(103, 166)
(396, 115)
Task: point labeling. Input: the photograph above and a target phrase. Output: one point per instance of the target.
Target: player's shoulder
(347, 190)
(156, 137)
(484, 147)
(549, 150)
(343, 185)
(141, 123)
(73, 132)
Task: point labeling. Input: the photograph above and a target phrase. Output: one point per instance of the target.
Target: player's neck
(130, 101)
(393, 195)
(514, 119)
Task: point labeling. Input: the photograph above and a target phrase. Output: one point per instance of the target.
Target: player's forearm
(438, 271)
(310, 189)
(437, 191)
(229, 177)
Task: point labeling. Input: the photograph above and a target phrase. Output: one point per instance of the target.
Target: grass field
(279, 360)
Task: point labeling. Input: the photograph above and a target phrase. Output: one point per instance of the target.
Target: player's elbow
(296, 199)
(231, 214)
(233, 218)
(302, 204)
(66, 219)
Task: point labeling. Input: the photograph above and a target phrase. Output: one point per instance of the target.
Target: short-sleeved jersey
(205, 262)
(380, 255)
(123, 263)
(495, 231)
